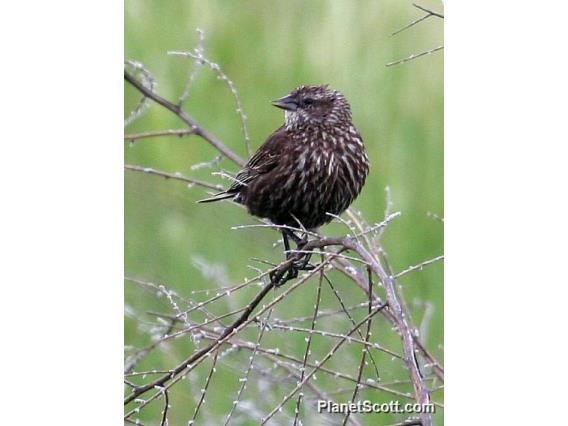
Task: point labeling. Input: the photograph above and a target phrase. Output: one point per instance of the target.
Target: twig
(418, 266)
(174, 176)
(388, 210)
(309, 343)
(195, 69)
(164, 421)
(244, 379)
(204, 390)
(273, 226)
(365, 350)
(364, 342)
(131, 137)
(429, 11)
(337, 335)
(140, 354)
(380, 225)
(228, 176)
(414, 56)
(149, 83)
(207, 164)
(416, 21)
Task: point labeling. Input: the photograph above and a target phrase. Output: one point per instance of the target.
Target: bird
(309, 170)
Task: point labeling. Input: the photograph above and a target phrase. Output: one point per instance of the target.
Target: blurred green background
(267, 48)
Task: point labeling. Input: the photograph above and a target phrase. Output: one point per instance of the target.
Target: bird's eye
(308, 101)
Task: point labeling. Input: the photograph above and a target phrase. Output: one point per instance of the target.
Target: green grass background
(267, 48)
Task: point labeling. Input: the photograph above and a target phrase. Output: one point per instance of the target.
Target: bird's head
(314, 106)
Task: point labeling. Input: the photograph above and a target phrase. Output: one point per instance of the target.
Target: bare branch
(132, 137)
(420, 266)
(365, 342)
(174, 176)
(195, 69)
(245, 378)
(416, 21)
(148, 82)
(164, 421)
(428, 11)
(365, 350)
(307, 350)
(204, 390)
(414, 56)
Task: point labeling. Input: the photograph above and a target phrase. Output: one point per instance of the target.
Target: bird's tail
(218, 197)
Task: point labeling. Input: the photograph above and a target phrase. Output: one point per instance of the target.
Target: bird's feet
(298, 261)
(281, 276)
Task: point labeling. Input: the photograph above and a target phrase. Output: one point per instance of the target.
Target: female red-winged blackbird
(313, 165)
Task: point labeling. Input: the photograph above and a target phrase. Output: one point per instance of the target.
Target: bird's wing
(264, 160)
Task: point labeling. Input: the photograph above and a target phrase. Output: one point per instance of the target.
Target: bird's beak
(288, 103)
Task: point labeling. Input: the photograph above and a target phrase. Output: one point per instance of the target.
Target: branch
(428, 11)
(175, 176)
(131, 137)
(200, 131)
(367, 338)
(420, 390)
(147, 81)
(420, 266)
(414, 56)
(307, 351)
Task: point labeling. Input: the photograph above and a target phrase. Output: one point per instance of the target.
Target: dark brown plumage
(313, 165)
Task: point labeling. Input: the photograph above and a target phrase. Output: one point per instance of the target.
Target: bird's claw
(279, 277)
